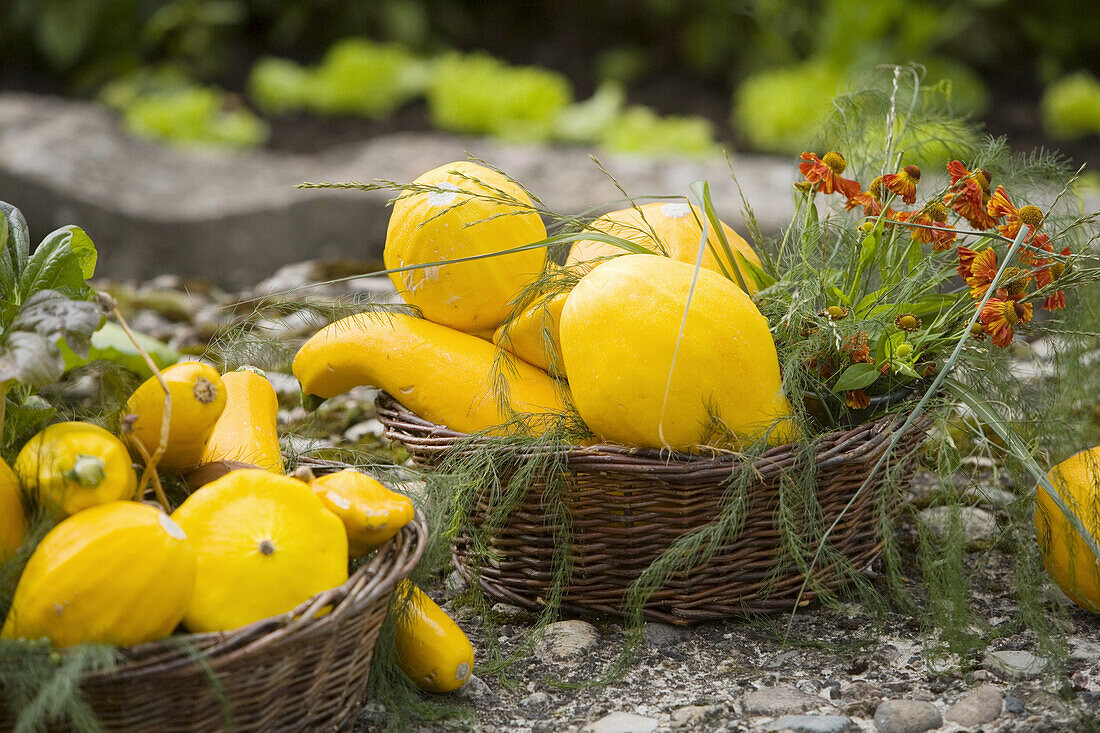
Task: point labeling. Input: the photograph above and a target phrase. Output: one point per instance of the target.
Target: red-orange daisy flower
(1049, 271)
(857, 349)
(825, 173)
(903, 183)
(1000, 206)
(857, 399)
(1001, 315)
(980, 273)
(969, 194)
(934, 215)
(966, 259)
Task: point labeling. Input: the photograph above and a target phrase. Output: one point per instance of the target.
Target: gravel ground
(836, 671)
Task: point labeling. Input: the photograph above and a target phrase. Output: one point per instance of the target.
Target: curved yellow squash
(246, 430)
(119, 573)
(450, 224)
(371, 513)
(198, 399)
(619, 332)
(13, 520)
(71, 466)
(533, 335)
(677, 228)
(431, 649)
(1067, 558)
(441, 374)
(265, 543)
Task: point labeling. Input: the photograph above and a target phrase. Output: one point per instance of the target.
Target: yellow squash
(533, 335)
(246, 430)
(71, 466)
(619, 332)
(431, 649)
(441, 374)
(119, 573)
(1067, 558)
(436, 226)
(198, 399)
(371, 513)
(13, 521)
(677, 229)
(265, 543)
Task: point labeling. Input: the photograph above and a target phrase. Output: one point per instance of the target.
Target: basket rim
(186, 654)
(827, 448)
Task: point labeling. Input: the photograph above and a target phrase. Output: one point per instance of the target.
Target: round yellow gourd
(371, 513)
(441, 374)
(246, 430)
(1067, 558)
(13, 521)
(619, 331)
(119, 573)
(71, 466)
(265, 543)
(450, 224)
(198, 399)
(431, 649)
(677, 228)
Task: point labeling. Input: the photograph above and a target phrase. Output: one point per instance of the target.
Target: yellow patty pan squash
(198, 400)
(1067, 558)
(371, 513)
(431, 649)
(13, 520)
(619, 332)
(246, 430)
(450, 224)
(677, 228)
(441, 374)
(119, 573)
(71, 466)
(265, 543)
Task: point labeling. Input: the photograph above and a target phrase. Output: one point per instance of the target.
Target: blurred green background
(632, 76)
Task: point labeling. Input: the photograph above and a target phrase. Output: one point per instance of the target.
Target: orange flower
(966, 260)
(857, 399)
(980, 273)
(903, 183)
(1049, 271)
(1000, 206)
(1003, 313)
(969, 194)
(934, 215)
(825, 172)
(856, 348)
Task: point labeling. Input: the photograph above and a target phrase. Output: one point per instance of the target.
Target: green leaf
(24, 417)
(14, 248)
(110, 343)
(857, 376)
(63, 261)
(29, 351)
(762, 278)
(701, 189)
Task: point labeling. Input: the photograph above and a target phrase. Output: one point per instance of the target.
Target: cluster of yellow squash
(618, 344)
(251, 544)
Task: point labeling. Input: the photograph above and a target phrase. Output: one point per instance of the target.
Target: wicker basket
(629, 505)
(289, 672)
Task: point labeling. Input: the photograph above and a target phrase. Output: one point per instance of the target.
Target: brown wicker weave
(288, 673)
(629, 505)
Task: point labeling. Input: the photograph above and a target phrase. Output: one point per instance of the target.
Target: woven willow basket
(292, 672)
(629, 505)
